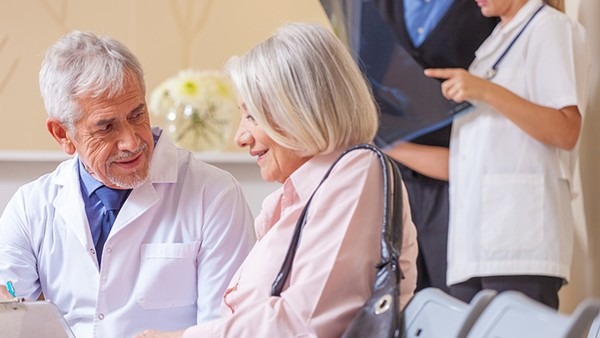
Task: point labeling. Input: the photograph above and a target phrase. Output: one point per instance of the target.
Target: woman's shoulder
(557, 21)
(555, 30)
(358, 155)
(357, 162)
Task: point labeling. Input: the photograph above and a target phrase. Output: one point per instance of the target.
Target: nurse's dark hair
(84, 64)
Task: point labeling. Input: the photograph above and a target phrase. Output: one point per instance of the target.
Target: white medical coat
(172, 250)
(510, 195)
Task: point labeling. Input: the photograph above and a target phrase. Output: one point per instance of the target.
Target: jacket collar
(69, 203)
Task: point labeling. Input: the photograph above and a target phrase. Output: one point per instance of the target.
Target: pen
(11, 289)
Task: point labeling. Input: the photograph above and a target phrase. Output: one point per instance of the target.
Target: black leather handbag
(380, 316)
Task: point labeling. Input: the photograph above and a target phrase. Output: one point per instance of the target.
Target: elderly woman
(303, 102)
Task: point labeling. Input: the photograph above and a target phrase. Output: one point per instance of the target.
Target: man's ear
(60, 134)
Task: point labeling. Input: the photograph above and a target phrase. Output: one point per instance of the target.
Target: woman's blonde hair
(305, 90)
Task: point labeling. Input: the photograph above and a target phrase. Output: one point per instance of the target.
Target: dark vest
(444, 46)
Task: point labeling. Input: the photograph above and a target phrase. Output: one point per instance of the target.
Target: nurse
(512, 157)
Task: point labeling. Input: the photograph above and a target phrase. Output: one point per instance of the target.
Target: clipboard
(32, 319)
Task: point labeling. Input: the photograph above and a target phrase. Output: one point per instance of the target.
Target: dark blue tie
(111, 199)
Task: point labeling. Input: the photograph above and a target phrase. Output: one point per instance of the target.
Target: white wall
(166, 35)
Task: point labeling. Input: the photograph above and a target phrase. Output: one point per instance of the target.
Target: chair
(512, 314)
(431, 313)
(595, 329)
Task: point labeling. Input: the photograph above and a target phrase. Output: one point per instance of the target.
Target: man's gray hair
(83, 64)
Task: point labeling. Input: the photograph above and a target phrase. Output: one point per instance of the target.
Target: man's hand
(159, 334)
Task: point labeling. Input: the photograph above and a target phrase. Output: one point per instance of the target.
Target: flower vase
(197, 109)
(198, 130)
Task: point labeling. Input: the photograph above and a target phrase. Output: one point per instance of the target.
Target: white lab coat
(172, 250)
(510, 195)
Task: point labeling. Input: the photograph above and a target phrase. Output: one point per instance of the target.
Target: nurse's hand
(459, 85)
(159, 334)
(4, 294)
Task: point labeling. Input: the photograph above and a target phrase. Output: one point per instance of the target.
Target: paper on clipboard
(28, 319)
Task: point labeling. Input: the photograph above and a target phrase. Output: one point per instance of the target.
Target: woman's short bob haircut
(82, 64)
(305, 90)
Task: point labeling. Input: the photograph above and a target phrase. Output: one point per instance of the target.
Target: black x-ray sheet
(411, 103)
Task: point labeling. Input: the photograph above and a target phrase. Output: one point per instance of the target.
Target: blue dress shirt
(421, 17)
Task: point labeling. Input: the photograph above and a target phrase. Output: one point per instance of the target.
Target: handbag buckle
(383, 304)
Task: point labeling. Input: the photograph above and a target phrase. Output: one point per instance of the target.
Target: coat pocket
(512, 212)
(168, 275)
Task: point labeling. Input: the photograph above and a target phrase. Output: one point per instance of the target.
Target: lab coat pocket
(512, 210)
(168, 275)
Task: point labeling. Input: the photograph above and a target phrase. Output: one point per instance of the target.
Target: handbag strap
(391, 233)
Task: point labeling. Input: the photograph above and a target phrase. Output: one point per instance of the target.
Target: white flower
(203, 90)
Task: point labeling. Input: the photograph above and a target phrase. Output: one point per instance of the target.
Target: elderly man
(132, 232)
